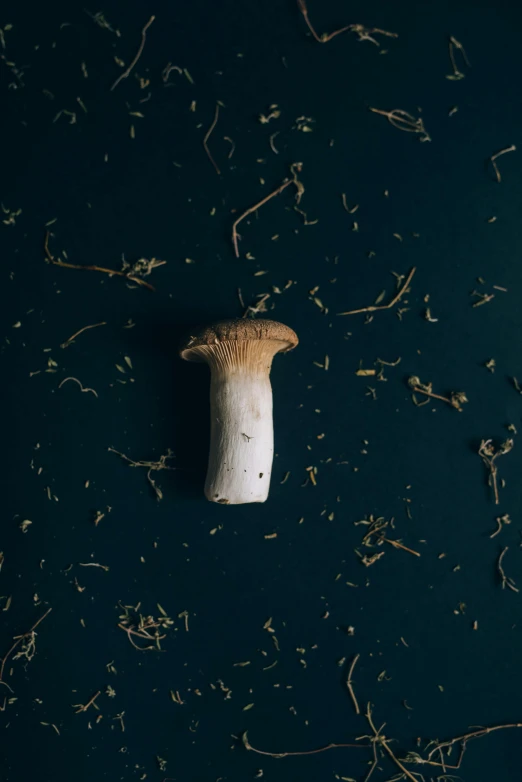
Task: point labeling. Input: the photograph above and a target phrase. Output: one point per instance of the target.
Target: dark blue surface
(248, 56)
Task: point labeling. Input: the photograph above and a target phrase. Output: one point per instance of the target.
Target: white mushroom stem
(242, 430)
(241, 437)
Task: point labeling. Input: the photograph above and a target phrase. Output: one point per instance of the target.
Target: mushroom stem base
(241, 439)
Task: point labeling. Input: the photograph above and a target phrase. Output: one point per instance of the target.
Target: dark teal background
(141, 205)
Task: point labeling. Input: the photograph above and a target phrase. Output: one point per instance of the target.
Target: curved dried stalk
(127, 72)
(507, 581)
(84, 390)
(127, 275)
(295, 168)
(402, 120)
(455, 45)
(77, 333)
(248, 745)
(392, 303)
(18, 639)
(494, 157)
(207, 136)
(349, 684)
(475, 734)
(456, 398)
(363, 33)
(489, 456)
(383, 742)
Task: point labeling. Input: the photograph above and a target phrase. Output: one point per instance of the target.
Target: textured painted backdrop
(157, 195)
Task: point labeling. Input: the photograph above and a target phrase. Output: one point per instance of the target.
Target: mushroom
(239, 354)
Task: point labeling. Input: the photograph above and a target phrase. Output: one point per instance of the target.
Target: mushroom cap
(239, 330)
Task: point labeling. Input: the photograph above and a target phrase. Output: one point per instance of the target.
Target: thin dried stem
(84, 706)
(473, 735)
(17, 641)
(506, 580)
(111, 272)
(127, 72)
(349, 684)
(260, 306)
(135, 624)
(456, 398)
(453, 46)
(161, 464)
(501, 521)
(363, 33)
(383, 741)
(207, 136)
(375, 758)
(351, 210)
(232, 145)
(295, 169)
(404, 121)
(494, 157)
(392, 303)
(248, 745)
(489, 456)
(376, 535)
(142, 634)
(77, 333)
(398, 544)
(84, 390)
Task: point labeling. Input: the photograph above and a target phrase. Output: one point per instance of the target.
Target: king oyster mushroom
(239, 354)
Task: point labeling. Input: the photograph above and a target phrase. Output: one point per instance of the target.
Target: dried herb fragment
(375, 307)
(160, 464)
(127, 72)
(455, 399)
(489, 454)
(494, 157)
(363, 33)
(404, 121)
(454, 46)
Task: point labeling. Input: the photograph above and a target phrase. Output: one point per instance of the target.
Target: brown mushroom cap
(239, 330)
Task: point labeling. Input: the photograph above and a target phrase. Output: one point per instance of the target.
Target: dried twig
(363, 33)
(207, 136)
(501, 521)
(84, 706)
(295, 168)
(392, 303)
(272, 145)
(260, 306)
(248, 745)
(483, 298)
(127, 274)
(489, 456)
(456, 398)
(467, 737)
(136, 625)
(376, 535)
(84, 390)
(398, 544)
(382, 741)
(453, 46)
(404, 121)
(161, 464)
(77, 333)
(232, 147)
(127, 72)
(28, 649)
(349, 684)
(494, 157)
(506, 580)
(351, 210)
